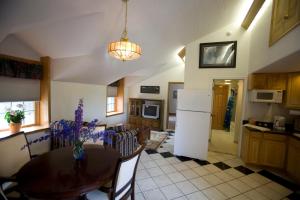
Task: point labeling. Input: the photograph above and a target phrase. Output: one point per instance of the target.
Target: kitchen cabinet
(252, 146)
(273, 150)
(264, 148)
(293, 159)
(285, 17)
(293, 91)
(268, 81)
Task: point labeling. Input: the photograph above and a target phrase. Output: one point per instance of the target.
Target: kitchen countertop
(287, 133)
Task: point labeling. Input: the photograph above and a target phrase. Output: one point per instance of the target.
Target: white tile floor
(169, 178)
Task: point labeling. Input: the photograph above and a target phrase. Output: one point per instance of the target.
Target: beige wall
(175, 74)
(196, 78)
(261, 54)
(65, 97)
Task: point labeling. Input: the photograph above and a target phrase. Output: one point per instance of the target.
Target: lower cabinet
(273, 150)
(293, 159)
(254, 148)
(264, 149)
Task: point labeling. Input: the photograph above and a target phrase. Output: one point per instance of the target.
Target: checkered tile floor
(161, 175)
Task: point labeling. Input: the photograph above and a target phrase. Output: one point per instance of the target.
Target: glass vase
(78, 152)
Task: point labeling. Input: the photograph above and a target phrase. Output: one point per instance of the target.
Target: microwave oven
(266, 96)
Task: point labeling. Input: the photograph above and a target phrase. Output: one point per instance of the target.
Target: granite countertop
(281, 132)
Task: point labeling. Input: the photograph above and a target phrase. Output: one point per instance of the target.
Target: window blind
(112, 91)
(19, 89)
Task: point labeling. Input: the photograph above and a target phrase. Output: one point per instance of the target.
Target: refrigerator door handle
(192, 111)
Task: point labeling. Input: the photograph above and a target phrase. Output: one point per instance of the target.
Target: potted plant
(14, 118)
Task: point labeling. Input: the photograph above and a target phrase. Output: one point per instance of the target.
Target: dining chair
(14, 153)
(122, 185)
(2, 196)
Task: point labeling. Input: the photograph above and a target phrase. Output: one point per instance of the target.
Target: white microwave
(266, 96)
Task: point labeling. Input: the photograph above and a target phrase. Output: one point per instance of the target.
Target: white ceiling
(75, 33)
(290, 63)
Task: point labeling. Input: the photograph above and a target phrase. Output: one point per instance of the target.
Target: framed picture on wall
(218, 55)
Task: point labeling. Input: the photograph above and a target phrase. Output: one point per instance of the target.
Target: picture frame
(218, 54)
(150, 89)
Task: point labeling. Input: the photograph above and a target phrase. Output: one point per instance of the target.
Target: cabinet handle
(287, 15)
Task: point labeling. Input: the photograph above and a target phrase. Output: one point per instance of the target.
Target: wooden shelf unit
(136, 119)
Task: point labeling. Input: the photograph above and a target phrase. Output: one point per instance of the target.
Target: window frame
(114, 104)
(119, 100)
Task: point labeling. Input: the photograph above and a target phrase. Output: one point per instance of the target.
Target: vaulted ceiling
(75, 33)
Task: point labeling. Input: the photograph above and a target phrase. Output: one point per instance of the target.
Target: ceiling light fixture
(124, 49)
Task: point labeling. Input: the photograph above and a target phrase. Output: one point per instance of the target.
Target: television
(150, 111)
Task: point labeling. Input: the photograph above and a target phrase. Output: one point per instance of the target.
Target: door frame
(243, 106)
(168, 94)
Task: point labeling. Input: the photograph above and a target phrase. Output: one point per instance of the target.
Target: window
(115, 98)
(29, 111)
(111, 104)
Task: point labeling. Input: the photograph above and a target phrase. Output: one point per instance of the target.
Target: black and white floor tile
(164, 176)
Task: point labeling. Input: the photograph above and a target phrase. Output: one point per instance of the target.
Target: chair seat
(97, 195)
(9, 189)
(8, 185)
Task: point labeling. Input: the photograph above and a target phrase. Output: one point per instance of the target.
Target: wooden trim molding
(45, 109)
(181, 53)
(168, 99)
(20, 59)
(120, 97)
(255, 7)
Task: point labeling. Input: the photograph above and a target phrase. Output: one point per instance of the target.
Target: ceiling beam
(255, 7)
(181, 54)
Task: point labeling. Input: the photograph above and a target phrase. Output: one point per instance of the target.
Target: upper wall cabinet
(293, 91)
(285, 17)
(268, 81)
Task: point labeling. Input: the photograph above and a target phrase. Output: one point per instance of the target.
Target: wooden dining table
(57, 175)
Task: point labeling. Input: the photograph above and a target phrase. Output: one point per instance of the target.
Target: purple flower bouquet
(77, 133)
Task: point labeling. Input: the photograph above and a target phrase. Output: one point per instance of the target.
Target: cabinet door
(146, 122)
(257, 81)
(292, 15)
(285, 16)
(245, 144)
(273, 152)
(293, 159)
(276, 81)
(278, 20)
(254, 147)
(293, 91)
(155, 124)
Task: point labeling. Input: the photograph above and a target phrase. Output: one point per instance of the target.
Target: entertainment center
(146, 113)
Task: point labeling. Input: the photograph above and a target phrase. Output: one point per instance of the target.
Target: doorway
(172, 104)
(226, 115)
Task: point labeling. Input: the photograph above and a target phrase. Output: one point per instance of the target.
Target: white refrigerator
(193, 123)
